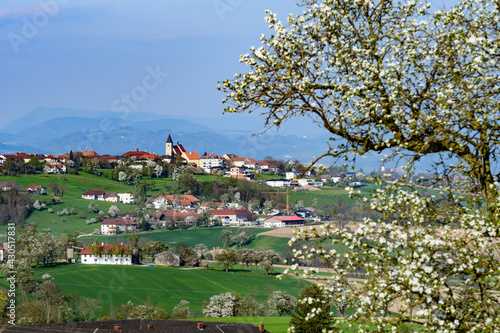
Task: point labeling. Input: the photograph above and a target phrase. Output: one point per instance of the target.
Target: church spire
(169, 140)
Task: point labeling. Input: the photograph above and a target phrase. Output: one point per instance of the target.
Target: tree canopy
(383, 75)
(410, 80)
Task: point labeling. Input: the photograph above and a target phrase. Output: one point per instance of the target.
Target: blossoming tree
(411, 80)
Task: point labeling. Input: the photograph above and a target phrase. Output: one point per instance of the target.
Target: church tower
(169, 151)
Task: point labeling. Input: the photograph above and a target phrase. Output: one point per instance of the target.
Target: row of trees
(265, 259)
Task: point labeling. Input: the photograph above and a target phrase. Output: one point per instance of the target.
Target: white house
(211, 161)
(109, 254)
(8, 185)
(55, 168)
(127, 198)
(291, 174)
(278, 182)
(93, 195)
(160, 202)
(232, 216)
(111, 197)
(36, 189)
(113, 227)
(310, 182)
(283, 221)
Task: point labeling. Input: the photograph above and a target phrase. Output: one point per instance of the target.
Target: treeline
(15, 206)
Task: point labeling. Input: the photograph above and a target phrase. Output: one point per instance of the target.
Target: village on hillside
(181, 207)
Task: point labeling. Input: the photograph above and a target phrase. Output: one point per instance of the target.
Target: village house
(126, 198)
(309, 182)
(36, 189)
(134, 154)
(55, 168)
(8, 185)
(238, 161)
(236, 217)
(176, 201)
(191, 158)
(113, 227)
(106, 254)
(211, 161)
(283, 221)
(93, 195)
(111, 197)
(278, 182)
(165, 216)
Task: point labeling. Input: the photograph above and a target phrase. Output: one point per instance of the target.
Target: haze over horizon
(163, 58)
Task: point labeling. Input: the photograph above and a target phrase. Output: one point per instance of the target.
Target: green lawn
(77, 185)
(165, 286)
(271, 324)
(328, 195)
(192, 237)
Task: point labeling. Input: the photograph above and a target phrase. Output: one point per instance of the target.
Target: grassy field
(165, 286)
(77, 185)
(192, 237)
(271, 324)
(328, 195)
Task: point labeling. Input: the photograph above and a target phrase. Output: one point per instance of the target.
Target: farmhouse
(109, 254)
(232, 216)
(55, 168)
(9, 185)
(36, 189)
(113, 227)
(283, 221)
(93, 195)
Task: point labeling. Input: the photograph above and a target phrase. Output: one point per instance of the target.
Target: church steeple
(169, 149)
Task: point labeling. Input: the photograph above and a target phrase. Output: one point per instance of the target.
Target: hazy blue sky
(89, 54)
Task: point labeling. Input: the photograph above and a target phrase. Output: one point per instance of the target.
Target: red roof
(160, 213)
(192, 155)
(59, 166)
(101, 248)
(183, 215)
(217, 204)
(150, 156)
(135, 153)
(189, 197)
(287, 218)
(94, 192)
(32, 187)
(212, 156)
(232, 212)
(238, 159)
(89, 153)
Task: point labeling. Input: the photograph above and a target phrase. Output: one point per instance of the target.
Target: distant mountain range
(59, 130)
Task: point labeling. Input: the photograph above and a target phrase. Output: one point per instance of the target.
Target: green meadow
(164, 286)
(191, 237)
